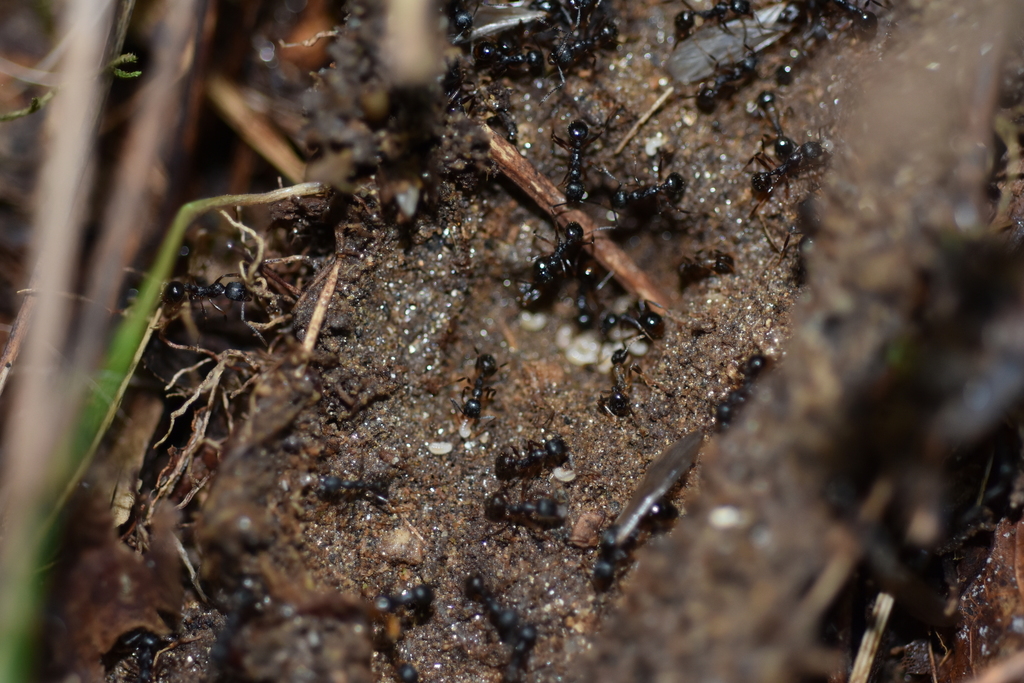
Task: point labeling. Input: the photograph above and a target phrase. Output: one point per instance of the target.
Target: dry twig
(662, 99)
(521, 172)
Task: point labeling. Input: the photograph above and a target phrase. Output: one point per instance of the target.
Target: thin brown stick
(521, 172)
(662, 99)
(255, 129)
(320, 312)
(872, 637)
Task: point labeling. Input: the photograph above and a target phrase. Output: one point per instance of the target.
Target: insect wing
(700, 56)
(494, 19)
(662, 475)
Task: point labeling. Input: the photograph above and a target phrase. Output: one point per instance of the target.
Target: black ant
(707, 97)
(687, 19)
(646, 504)
(560, 262)
(175, 293)
(613, 549)
(418, 600)
(504, 56)
(727, 409)
(570, 51)
(456, 90)
(498, 100)
(552, 453)
(144, 646)
(486, 367)
(461, 19)
(701, 266)
(407, 673)
(807, 155)
(587, 276)
(783, 146)
(673, 188)
(522, 637)
(543, 512)
(864, 21)
(579, 137)
(333, 487)
(616, 403)
(646, 322)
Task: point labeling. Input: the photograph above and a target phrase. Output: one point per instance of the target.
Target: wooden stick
(643, 119)
(521, 172)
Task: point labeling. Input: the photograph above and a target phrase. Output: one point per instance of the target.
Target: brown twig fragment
(320, 312)
(255, 129)
(521, 172)
(662, 99)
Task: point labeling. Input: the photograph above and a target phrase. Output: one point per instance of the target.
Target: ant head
(653, 324)
(495, 508)
(784, 148)
(685, 22)
(573, 233)
(330, 485)
(544, 270)
(608, 35)
(174, 292)
(547, 508)
(555, 447)
(620, 199)
(784, 74)
(724, 264)
(812, 151)
(756, 364)
(463, 20)
(866, 23)
(487, 52)
(749, 62)
(619, 357)
(761, 182)
(674, 184)
(407, 673)
(578, 131)
(506, 621)
(526, 637)
(486, 365)
(535, 61)
(707, 99)
(740, 6)
(574, 192)
(475, 587)
(472, 408)
(617, 403)
(236, 291)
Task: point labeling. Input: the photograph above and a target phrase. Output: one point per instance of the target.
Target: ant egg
(440, 447)
(585, 349)
(532, 322)
(563, 475)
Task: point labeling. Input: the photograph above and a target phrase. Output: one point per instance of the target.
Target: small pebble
(584, 532)
(401, 545)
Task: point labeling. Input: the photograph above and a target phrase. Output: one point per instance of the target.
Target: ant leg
(551, 92)
(249, 325)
